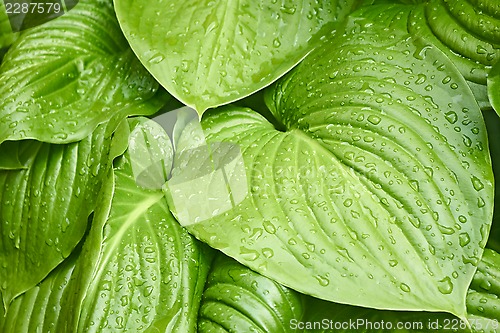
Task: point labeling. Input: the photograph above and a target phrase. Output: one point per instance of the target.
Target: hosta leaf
(237, 299)
(326, 317)
(209, 53)
(483, 299)
(38, 310)
(378, 193)
(63, 78)
(482, 303)
(140, 271)
(44, 207)
(465, 31)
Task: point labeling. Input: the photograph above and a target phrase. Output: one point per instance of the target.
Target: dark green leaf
(494, 87)
(44, 208)
(236, 299)
(63, 78)
(39, 309)
(209, 53)
(11, 155)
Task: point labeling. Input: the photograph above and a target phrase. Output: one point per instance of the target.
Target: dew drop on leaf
(156, 58)
(375, 120)
(476, 182)
(393, 262)
(451, 116)
(269, 227)
(404, 287)
(249, 254)
(323, 281)
(268, 252)
(464, 239)
(445, 286)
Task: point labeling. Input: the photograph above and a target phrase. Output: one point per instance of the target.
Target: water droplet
(119, 322)
(269, 227)
(276, 42)
(464, 239)
(323, 281)
(415, 185)
(149, 249)
(124, 300)
(375, 120)
(445, 286)
(451, 117)
(404, 287)
(476, 182)
(249, 254)
(148, 291)
(156, 58)
(446, 80)
(348, 203)
(393, 262)
(446, 230)
(467, 141)
(470, 260)
(268, 252)
(344, 253)
(420, 79)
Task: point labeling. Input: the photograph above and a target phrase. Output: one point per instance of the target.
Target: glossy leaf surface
(237, 299)
(209, 53)
(373, 194)
(63, 78)
(44, 207)
(139, 269)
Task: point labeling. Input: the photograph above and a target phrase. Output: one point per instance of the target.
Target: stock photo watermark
(25, 14)
(363, 324)
(200, 179)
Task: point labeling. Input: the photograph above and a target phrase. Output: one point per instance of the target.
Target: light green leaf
(237, 299)
(483, 307)
(44, 207)
(140, 271)
(208, 53)
(379, 192)
(63, 78)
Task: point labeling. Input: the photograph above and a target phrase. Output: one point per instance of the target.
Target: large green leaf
(44, 207)
(63, 78)
(237, 299)
(378, 193)
(483, 298)
(209, 53)
(139, 271)
(483, 307)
